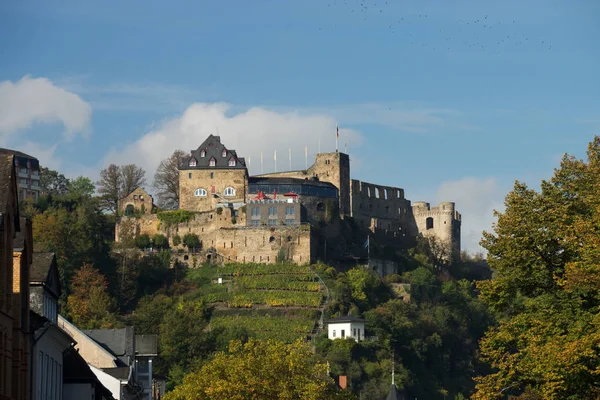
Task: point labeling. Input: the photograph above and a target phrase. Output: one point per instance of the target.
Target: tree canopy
(117, 182)
(546, 288)
(166, 180)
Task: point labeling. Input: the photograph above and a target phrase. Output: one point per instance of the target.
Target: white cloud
(38, 100)
(249, 132)
(476, 199)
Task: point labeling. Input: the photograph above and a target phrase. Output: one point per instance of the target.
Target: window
(290, 221)
(202, 153)
(354, 332)
(429, 223)
(200, 192)
(289, 210)
(358, 334)
(333, 333)
(35, 182)
(343, 334)
(368, 191)
(232, 162)
(397, 193)
(272, 212)
(212, 175)
(190, 175)
(385, 194)
(229, 191)
(255, 222)
(272, 222)
(255, 212)
(192, 162)
(271, 239)
(376, 193)
(320, 207)
(212, 162)
(135, 196)
(224, 153)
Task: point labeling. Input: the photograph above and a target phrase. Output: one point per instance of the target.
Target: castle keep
(259, 218)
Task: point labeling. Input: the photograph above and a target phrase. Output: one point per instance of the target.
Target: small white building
(346, 327)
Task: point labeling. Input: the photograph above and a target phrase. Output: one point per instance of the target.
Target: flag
(337, 131)
(366, 243)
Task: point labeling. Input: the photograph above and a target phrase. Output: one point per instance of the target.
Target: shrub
(191, 240)
(160, 241)
(142, 241)
(176, 240)
(170, 218)
(219, 210)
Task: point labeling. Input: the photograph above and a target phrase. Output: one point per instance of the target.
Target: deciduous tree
(166, 180)
(81, 187)
(53, 182)
(117, 182)
(259, 370)
(546, 288)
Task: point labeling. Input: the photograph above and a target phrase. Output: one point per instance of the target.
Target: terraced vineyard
(270, 300)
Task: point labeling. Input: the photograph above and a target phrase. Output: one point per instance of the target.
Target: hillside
(279, 301)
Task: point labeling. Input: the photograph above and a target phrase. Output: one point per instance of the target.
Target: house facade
(346, 327)
(28, 174)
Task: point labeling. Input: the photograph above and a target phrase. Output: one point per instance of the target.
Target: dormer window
(192, 162)
(202, 153)
(224, 153)
(232, 162)
(212, 162)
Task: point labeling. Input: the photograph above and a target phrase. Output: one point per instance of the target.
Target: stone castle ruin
(245, 218)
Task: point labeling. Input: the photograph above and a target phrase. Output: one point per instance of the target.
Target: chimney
(343, 382)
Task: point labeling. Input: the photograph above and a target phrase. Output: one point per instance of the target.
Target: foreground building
(263, 218)
(28, 174)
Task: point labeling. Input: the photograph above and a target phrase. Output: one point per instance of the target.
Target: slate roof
(347, 318)
(258, 180)
(76, 369)
(214, 149)
(40, 266)
(119, 342)
(121, 373)
(21, 158)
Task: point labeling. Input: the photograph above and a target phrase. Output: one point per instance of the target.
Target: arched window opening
(202, 153)
(376, 193)
(192, 162)
(129, 210)
(212, 162)
(200, 192)
(320, 207)
(385, 194)
(229, 191)
(271, 239)
(429, 223)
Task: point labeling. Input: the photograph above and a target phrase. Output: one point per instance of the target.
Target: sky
(451, 101)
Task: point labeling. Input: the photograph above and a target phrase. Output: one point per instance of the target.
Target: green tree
(142, 241)
(259, 370)
(546, 288)
(116, 182)
(191, 240)
(160, 241)
(176, 240)
(81, 187)
(52, 182)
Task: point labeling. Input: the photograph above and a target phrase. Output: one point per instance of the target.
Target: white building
(346, 327)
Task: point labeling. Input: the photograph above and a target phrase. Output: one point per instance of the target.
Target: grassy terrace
(270, 301)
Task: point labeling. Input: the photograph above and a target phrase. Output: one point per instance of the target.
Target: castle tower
(335, 168)
(212, 174)
(442, 221)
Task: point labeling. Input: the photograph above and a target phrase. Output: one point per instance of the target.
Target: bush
(142, 241)
(160, 241)
(219, 210)
(176, 240)
(191, 240)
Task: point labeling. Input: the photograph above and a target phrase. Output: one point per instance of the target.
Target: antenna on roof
(218, 134)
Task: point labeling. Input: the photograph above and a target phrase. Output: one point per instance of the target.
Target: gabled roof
(44, 271)
(214, 149)
(347, 318)
(119, 342)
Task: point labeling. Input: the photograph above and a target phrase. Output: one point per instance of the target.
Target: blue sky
(448, 100)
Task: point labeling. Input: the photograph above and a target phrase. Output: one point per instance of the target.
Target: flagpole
(275, 159)
(249, 165)
(337, 135)
(261, 163)
(290, 151)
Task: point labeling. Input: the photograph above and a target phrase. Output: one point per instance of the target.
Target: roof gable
(44, 271)
(212, 148)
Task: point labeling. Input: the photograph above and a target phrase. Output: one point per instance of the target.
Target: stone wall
(443, 222)
(213, 181)
(139, 199)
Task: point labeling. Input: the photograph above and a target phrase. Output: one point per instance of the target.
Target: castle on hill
(258, 218)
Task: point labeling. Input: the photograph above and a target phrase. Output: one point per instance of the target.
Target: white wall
(77, 391)
(110, 382)
(48, 365)
(334, 330)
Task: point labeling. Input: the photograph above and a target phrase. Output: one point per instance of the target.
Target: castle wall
(213, 181)
(139, 199)
(442, 221)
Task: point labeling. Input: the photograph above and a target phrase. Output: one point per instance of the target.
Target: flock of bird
(482, 34)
